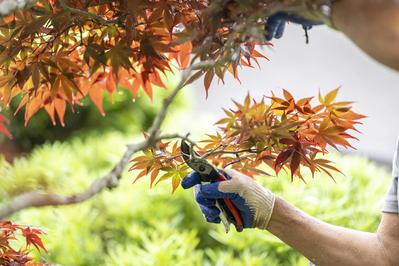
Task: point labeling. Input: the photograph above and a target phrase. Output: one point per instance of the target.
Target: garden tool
(229, 214)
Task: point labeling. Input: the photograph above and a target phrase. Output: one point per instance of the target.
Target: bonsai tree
(54, 54)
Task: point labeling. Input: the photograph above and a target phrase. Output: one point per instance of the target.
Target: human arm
(326, 244)
(373, 25)
(322, 243)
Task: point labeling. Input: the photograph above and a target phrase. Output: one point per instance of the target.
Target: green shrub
(136, 225)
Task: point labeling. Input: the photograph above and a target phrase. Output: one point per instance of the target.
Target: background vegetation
(134, 225)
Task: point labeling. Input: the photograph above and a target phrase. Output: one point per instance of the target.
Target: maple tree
(55, 54)
(9, 233)
(58, 52)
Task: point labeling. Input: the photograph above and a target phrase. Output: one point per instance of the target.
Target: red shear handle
(233, 209)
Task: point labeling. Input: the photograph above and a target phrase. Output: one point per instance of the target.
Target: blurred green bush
(136, 225)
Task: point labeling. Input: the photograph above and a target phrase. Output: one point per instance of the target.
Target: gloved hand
(307, 13)
(254, 202)
(275, 24)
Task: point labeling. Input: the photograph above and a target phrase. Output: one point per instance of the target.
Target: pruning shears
(229, 214)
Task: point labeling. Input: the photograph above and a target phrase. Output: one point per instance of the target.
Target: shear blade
(223, 218)
(185, 150)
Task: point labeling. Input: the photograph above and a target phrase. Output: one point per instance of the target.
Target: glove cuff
(259, 199)
(262, 206)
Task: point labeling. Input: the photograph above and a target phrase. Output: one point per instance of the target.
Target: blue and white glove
(254, 202)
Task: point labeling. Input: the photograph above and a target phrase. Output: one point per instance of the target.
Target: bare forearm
(373, 25)
(322, 243)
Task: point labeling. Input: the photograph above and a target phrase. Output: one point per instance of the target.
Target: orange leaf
(110, 83)
(257, 54)
(287, 95)
(51, 111)
(208, 80)
(32, 238)
(96, 95)
(282, 158)
(60, 107)
(148, 90)
(32, 107)
(175, 182)
(295, 162)
(184, 54)
(330, 97)
(154, 175)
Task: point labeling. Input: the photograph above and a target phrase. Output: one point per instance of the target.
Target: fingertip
(271, 27)
(211, 214)
(215, 220)
(194, 178)
(274, 23)
(280, 30)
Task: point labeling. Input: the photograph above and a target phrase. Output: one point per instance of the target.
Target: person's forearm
(373, 25)
(322, 243)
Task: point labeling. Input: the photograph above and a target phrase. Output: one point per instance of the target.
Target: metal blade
(185, 150)
(223, 218)
(192, 159)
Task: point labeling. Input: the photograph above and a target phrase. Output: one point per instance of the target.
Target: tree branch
(111, 179)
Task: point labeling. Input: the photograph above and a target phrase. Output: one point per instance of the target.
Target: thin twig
(228, 152)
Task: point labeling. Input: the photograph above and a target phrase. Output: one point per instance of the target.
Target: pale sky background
(330, 60)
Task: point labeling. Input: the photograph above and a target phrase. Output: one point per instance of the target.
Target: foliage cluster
(8, 234)
(283, 134)
(60, 52)
(133, 225)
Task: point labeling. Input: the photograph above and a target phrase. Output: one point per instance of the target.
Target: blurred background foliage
(136, 225)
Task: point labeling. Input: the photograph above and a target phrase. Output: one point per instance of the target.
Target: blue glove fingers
(280, 30)
(273, 22)
(211, 191)
(207, 194)
(191, 180)
(211, 213)
(201, 199)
